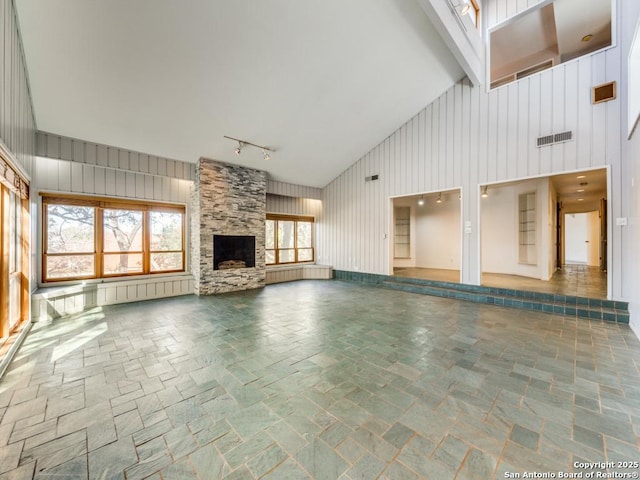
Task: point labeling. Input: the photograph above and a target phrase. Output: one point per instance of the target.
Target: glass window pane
(285, 234)
(305, 255)
(122, 263)
(166, 231)
(70, 229)
(287, 256)
(304, 235)
(162, 262)
(122, 230)
(270, 257)
(270, 237)
(66, 266)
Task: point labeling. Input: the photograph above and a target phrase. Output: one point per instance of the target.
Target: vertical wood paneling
(468, 137)
(64, 176)
(17, 123)
(64, 148)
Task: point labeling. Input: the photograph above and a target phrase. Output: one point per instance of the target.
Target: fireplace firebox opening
(234, 251)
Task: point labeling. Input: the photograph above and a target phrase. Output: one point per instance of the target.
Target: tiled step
(592, 308)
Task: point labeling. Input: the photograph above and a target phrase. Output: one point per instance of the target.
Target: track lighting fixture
(421, 200)
(439, 199)
(485, 194)
(244, 143)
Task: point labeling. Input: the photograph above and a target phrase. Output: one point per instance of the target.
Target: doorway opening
(426, 240)
(547, 234)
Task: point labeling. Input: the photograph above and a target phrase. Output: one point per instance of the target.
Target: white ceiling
(320, 81)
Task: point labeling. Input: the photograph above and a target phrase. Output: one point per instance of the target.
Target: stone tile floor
(318, 379)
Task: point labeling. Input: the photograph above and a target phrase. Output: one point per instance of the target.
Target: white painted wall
(500, 229)
(438, 233)
(294, 205)
(469, 137)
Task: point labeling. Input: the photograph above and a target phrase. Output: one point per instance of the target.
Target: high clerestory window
(87, 237)
(289, 239)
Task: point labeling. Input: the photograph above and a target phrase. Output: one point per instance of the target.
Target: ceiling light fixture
(581, 199)
(244, 143)
(485, 194)
(581, 176)
(587, 37)
(421, 200)
(580, 190)
(439, 199)
(466, 6)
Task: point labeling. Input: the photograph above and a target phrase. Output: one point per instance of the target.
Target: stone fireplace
(227, 228)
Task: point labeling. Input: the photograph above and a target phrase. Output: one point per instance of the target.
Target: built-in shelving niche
(402, 234)
(527, 229)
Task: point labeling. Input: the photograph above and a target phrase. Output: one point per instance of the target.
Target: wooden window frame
(100, 204)
(13, 180)
(476, 12)
(292, 218)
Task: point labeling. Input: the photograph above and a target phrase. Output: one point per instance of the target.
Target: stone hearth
(227, 200)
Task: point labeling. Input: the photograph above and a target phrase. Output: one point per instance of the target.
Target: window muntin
(86, 237)
(288, 239)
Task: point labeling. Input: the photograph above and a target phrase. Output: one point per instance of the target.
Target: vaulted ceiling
(319, 81)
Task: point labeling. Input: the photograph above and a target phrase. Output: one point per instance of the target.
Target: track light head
(485, 194)
(439, 199)
(239, 149)
(265, 155)
(421, 200)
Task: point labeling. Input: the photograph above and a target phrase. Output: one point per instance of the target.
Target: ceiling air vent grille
(554, 138)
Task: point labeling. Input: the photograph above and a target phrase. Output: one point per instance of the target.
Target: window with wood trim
(289, 239)
(88, 237)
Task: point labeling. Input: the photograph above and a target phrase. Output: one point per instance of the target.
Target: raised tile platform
(568, 305)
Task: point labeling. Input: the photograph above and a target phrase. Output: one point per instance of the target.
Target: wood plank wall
(468, 137)
(79, 151)
(293, 205)
(17, 123)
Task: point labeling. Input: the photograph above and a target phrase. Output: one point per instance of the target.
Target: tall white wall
(468, 137)
(629, 18)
